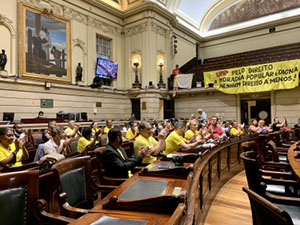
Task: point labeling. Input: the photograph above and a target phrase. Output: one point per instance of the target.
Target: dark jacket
(114, 165)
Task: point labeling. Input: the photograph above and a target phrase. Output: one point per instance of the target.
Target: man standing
(202, 114)
(146, 140)
(115, 160)
(175, 83)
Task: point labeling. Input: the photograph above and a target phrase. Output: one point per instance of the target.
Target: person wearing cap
(202, 114)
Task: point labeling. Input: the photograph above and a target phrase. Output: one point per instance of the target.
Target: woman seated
(261, 127)
(131, 133)
(253, 127)
(11, 152)
(57, 144)
(237, 130)
(125, 128)
(87, 141)
(277, 126)
(94, 127)
(175, 141)
(205, 132)
(191, 133)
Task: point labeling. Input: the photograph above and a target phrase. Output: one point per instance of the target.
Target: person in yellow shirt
(11, 152)
(175, 141)
(87, 142)
(94, 127)
(146, 140)
(236, 130)
(191, 133)
(132, 133)
(72, 130)
(109, 125)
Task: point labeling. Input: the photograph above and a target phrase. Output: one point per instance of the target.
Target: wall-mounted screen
(106, 69)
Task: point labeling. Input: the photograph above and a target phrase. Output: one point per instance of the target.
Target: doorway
(256, 109)
(136, 107)
(169, 107)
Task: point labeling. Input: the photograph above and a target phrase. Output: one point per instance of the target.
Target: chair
(96, 158)
(278, 182)
(265, 212)
(39, 153)
(19, 194)
(37, 137)
(76, 186)
(74, 145)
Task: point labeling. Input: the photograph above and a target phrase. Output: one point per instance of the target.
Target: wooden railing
(215, 169)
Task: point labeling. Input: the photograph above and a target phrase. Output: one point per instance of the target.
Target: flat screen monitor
(62, 115)
(84, 116)
(8, 116)
(106, 69)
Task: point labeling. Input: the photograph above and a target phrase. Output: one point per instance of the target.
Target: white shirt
(51, 147)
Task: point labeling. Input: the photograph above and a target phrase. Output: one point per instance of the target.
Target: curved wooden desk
(207, 175)
(295, 161)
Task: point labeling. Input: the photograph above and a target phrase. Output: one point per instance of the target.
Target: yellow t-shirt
(69, 131)
(95, 131)
(106, 129)
(234, 131)
(129, 134)
(4, 153)
(189, 134)
(129, 171)
(172, 142)
(82, 143)
(141, 141)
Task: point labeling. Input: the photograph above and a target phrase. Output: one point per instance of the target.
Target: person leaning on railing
(12, 152)
(175, 140)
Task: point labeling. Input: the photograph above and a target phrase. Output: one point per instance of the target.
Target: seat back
(18, 192)
(273, 148)
(252, 170)
(265, 212)
(74, 178)
(74, 145)
(39, 153)
(37, 137)
(99, 171)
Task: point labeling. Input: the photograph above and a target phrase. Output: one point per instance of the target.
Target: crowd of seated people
(152, 139)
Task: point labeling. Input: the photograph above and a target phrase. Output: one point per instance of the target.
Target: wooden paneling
(214, 170)
(223, 161)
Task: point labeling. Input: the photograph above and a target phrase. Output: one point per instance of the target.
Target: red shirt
(176, 71)
(217, 131)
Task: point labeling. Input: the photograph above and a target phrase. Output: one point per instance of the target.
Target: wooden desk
(173, 187)
(150, 218)
(201, 185)
(42, 120)
(294, 162)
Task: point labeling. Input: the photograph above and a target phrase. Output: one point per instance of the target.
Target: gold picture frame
(44, 45)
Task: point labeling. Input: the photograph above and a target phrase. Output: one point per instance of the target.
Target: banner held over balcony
(256, 78)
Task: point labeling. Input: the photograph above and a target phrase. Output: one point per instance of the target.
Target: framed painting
(44, 45)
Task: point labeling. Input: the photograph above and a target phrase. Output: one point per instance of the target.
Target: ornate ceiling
(211, 17)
